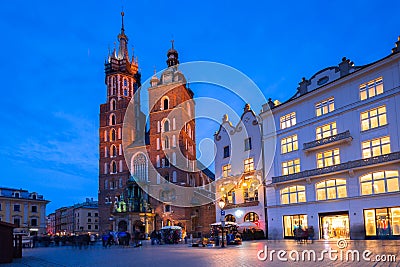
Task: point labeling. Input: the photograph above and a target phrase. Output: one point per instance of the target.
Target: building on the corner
(26, 210)
(238, 171)
(86, 217)
(336, 166)
(80, 218)
(123, 204)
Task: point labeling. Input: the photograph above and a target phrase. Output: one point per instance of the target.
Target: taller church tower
(122, 81)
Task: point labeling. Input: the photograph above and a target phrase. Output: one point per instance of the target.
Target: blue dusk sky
(52, 71)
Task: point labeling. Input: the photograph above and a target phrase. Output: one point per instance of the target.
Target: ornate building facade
(148, 153)
(238, 170)
(336, 165)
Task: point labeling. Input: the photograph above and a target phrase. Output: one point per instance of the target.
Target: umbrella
(171, 227)
(227, 224)
(248, 224)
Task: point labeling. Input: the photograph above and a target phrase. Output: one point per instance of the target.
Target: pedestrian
(110, 240)
(153, 237)
(311, 234)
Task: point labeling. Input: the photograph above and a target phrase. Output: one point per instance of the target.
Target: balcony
(242, 205)
(328, 141)
(395, 156)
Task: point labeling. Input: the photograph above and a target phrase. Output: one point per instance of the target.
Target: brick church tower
(160, 150)
(122, 80)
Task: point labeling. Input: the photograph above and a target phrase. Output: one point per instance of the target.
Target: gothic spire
(123, 41)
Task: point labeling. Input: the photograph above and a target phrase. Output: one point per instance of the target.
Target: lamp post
(221, 204)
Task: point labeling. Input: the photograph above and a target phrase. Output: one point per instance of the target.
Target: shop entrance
(334, 225)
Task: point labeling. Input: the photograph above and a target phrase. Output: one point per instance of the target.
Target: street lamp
(221, 204)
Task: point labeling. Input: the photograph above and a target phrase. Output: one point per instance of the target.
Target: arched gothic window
(113, 151)
(112, 135)
(166, 126)
(140, 167)
(112, 119)
(166, 104)
(113, 167)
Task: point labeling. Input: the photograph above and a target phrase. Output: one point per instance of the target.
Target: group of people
(168, 236)
(303, 234)
(121, 239)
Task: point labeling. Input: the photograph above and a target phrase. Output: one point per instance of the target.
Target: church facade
(146, 161)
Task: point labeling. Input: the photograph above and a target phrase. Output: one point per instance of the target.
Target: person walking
(311, 234)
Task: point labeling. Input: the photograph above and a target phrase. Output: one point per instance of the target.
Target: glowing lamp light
(221, 204)
(244, 184)
(239, 213)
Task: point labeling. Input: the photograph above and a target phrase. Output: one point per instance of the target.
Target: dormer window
(165, 104)
(16, 195)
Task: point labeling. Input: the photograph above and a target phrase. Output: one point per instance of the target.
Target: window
(96, 227)
(328, 158)
(376, 147)
(125, 92)
(226, 170)
(230, 218)
(291, 166)
(166, 142)
(289, 144)
(231, 198)
(106, 184)
(382, 222)
(331, 189)
(89, 220)
(173, 141)
(96, 214)
(371, 88)
(112, 119)
(293, 194)
(17, 222)
(0, 206)
(112, 135)
(174, 177)
(167, 208)
(113, 151)
(17, 207)
(288, 120)
(34, 209)
(165, 104)
(226, 152)
(89, 227)
(325, 106)
(247, 144)
(34, 222)
(166, 162)
(113, 167)
(166, 126)
(373, 118)
(250, 193)
(158, 161)
(379, 182)
(293, 222)
(113, 105)
(326, 130)
(140, 167)
(249, 165)
(158, 143)
(125, 82)
(16, 195)
(251, 217)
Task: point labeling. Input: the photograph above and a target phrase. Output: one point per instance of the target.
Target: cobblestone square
(183, 255)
